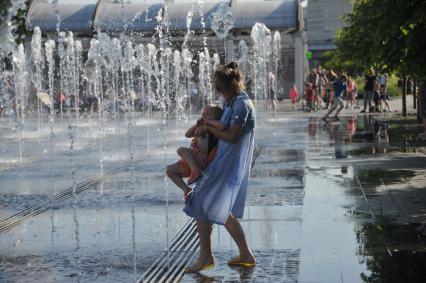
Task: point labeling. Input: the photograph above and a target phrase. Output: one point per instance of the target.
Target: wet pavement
(327, 202)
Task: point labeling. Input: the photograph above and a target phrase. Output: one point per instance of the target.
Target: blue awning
(110, 16)
(277, 15)
(73, 17)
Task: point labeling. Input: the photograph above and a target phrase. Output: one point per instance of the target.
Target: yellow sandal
(196, 267)
(236, 261)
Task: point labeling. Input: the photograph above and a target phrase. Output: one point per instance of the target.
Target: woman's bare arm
(191, 131)
(230, 134)
(216, 124)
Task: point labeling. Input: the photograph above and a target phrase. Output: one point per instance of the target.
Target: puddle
(374, 135)
(373, 177)
(277, 196)
(301, 218)
(405, 137)
(393, 253)
(272, 266)
(276, 172)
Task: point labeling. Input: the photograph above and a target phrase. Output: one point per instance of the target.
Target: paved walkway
(355, 214)
(327, 202)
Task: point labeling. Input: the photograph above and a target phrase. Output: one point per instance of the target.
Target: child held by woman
(201, 151)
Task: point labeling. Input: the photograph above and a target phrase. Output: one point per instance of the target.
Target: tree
(337, 61)
(388, 35)
(19, 30)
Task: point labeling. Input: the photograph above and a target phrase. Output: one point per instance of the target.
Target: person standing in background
(272, 90)
(370, 80)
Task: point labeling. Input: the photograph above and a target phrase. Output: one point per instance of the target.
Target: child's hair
(216, 110)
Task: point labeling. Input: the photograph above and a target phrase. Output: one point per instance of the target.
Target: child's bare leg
(329, 112)
(189, 158)
(174, 172)
(387, 105)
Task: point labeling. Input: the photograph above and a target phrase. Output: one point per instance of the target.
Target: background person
(370, 81)
(351, 90)
(272, 90)
(339, 87)
(294, 94)
(309, 96)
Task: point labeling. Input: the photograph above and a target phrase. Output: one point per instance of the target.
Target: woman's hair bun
(232, 65)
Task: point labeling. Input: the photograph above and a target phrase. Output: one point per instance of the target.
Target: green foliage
(20, 31)
(393, 88)
(18, 20)
(390, 252)
(386, 34)
(4, 7)
(337, 61)
(359, 81)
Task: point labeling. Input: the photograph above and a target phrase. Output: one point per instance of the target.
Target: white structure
(323, 19)
(139, 18)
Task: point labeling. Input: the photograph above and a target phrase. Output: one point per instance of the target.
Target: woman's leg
(236, 231)
(205, 259)
(204, 233)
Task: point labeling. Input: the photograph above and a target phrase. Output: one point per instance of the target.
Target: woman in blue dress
(219, 196)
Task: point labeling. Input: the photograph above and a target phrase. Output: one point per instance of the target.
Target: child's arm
(216, 124)
(191, 132)
(199, 131)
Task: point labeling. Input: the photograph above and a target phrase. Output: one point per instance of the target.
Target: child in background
(376, 98)
(309, 97)
(201, 151)
(332, 76)
(351, 91)
(384, 105)
(294, 94)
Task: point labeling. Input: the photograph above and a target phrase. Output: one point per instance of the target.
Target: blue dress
(223, 187)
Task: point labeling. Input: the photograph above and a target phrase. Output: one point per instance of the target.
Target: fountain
(261, 37)
(112, 100)
(222, 23)
(124, 76)
(37, 69)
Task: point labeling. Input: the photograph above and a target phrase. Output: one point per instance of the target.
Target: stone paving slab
(306, 217)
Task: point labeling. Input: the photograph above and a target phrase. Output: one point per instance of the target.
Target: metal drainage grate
(52, 201)
(169, 266)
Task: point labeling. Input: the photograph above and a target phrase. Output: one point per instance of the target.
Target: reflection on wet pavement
(394, 253)
(273, 266)
(327, 202)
